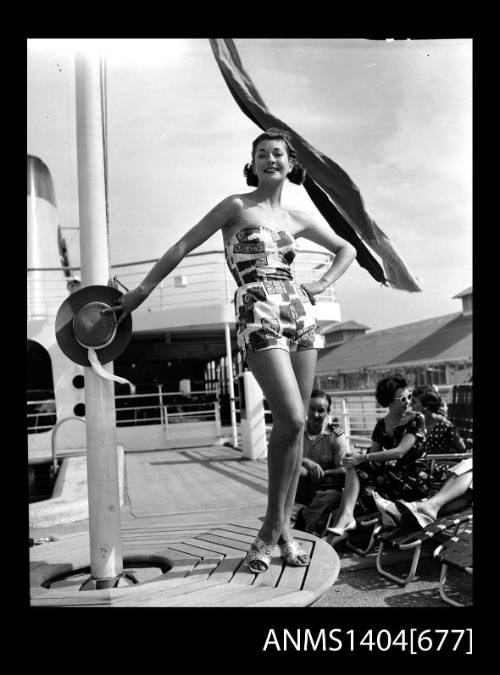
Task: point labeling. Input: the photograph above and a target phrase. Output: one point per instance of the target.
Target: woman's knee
(291, 425)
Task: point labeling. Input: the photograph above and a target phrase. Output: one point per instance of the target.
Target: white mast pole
(102, 463)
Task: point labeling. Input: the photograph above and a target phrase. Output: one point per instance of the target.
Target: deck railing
(356, 411)
(145, 409)
(201, 278)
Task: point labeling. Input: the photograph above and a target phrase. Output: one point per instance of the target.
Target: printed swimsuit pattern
(272, 309)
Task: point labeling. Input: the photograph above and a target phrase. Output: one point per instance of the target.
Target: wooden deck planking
(164, 596)
(208, 569)
(292, 577)
(204, 569)
(227, 596)
(290, 599)
(245, 539)
(67, 597)
(225, 570)
(182, 571)
(244, 529)
(143, 574)
(321, 567)
(227, 551)
(231, 543)
(163, 536)
(184, 547)
(169, 554)
(181, 484)
(243, 576)
(152, 528)
(57, 551)
(271, 576)
(242, 472)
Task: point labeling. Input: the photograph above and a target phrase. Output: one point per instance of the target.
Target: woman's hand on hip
(312, 289)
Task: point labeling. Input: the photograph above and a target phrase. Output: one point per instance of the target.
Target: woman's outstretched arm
(213, 221)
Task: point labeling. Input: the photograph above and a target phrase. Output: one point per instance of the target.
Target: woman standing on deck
(276, 327)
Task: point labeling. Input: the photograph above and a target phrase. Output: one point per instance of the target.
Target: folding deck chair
(456, 552)
(406, 540)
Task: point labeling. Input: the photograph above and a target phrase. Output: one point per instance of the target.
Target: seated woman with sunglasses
(390, 469)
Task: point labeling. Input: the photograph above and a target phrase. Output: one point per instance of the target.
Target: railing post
(218, 429)
(346, 420)
(165, 417)
(230, 384)
(160, 394)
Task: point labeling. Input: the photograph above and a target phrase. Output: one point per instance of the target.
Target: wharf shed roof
(468, 291)
(445, 337)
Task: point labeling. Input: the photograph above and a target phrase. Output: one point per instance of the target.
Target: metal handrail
(206, 272)
(53, 439)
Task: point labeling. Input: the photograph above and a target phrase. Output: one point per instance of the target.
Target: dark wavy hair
(428, 397)
(387, 387)
(319, 393)
(297, 174)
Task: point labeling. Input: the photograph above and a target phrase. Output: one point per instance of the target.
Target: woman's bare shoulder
(228, 209)
(236, 203)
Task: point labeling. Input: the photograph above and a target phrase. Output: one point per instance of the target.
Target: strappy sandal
(293, 553)
(259, 556)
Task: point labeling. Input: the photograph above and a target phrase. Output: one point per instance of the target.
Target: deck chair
(369, 525)
(406, 539)
(456, 552)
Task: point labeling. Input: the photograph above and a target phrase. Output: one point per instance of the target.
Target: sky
(396, 115)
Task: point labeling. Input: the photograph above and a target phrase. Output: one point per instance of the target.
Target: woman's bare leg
(273, 371)
(345, 513)
(304, 367)
(455, 486)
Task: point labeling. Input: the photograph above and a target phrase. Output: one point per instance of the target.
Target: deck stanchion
(230, 384)
(346, 421)
(106, 560)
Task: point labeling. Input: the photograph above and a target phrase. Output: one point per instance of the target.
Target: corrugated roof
(439, 341)
(427, 339)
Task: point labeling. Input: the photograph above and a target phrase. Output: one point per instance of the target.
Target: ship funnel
(43, 235)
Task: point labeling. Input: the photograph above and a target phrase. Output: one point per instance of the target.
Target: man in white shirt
(322, 476)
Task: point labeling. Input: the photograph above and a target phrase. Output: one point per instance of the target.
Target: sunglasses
(406, 398)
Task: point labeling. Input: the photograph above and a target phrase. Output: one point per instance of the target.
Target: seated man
(322, 476)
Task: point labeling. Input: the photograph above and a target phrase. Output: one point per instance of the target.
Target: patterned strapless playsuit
(273, 311)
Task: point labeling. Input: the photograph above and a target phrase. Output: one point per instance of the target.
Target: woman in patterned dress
(392, 468)
(441, 435)
(276, 326)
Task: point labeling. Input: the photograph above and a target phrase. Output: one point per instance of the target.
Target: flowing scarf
(330, 188)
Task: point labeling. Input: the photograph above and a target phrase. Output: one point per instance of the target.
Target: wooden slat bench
(193, 566)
